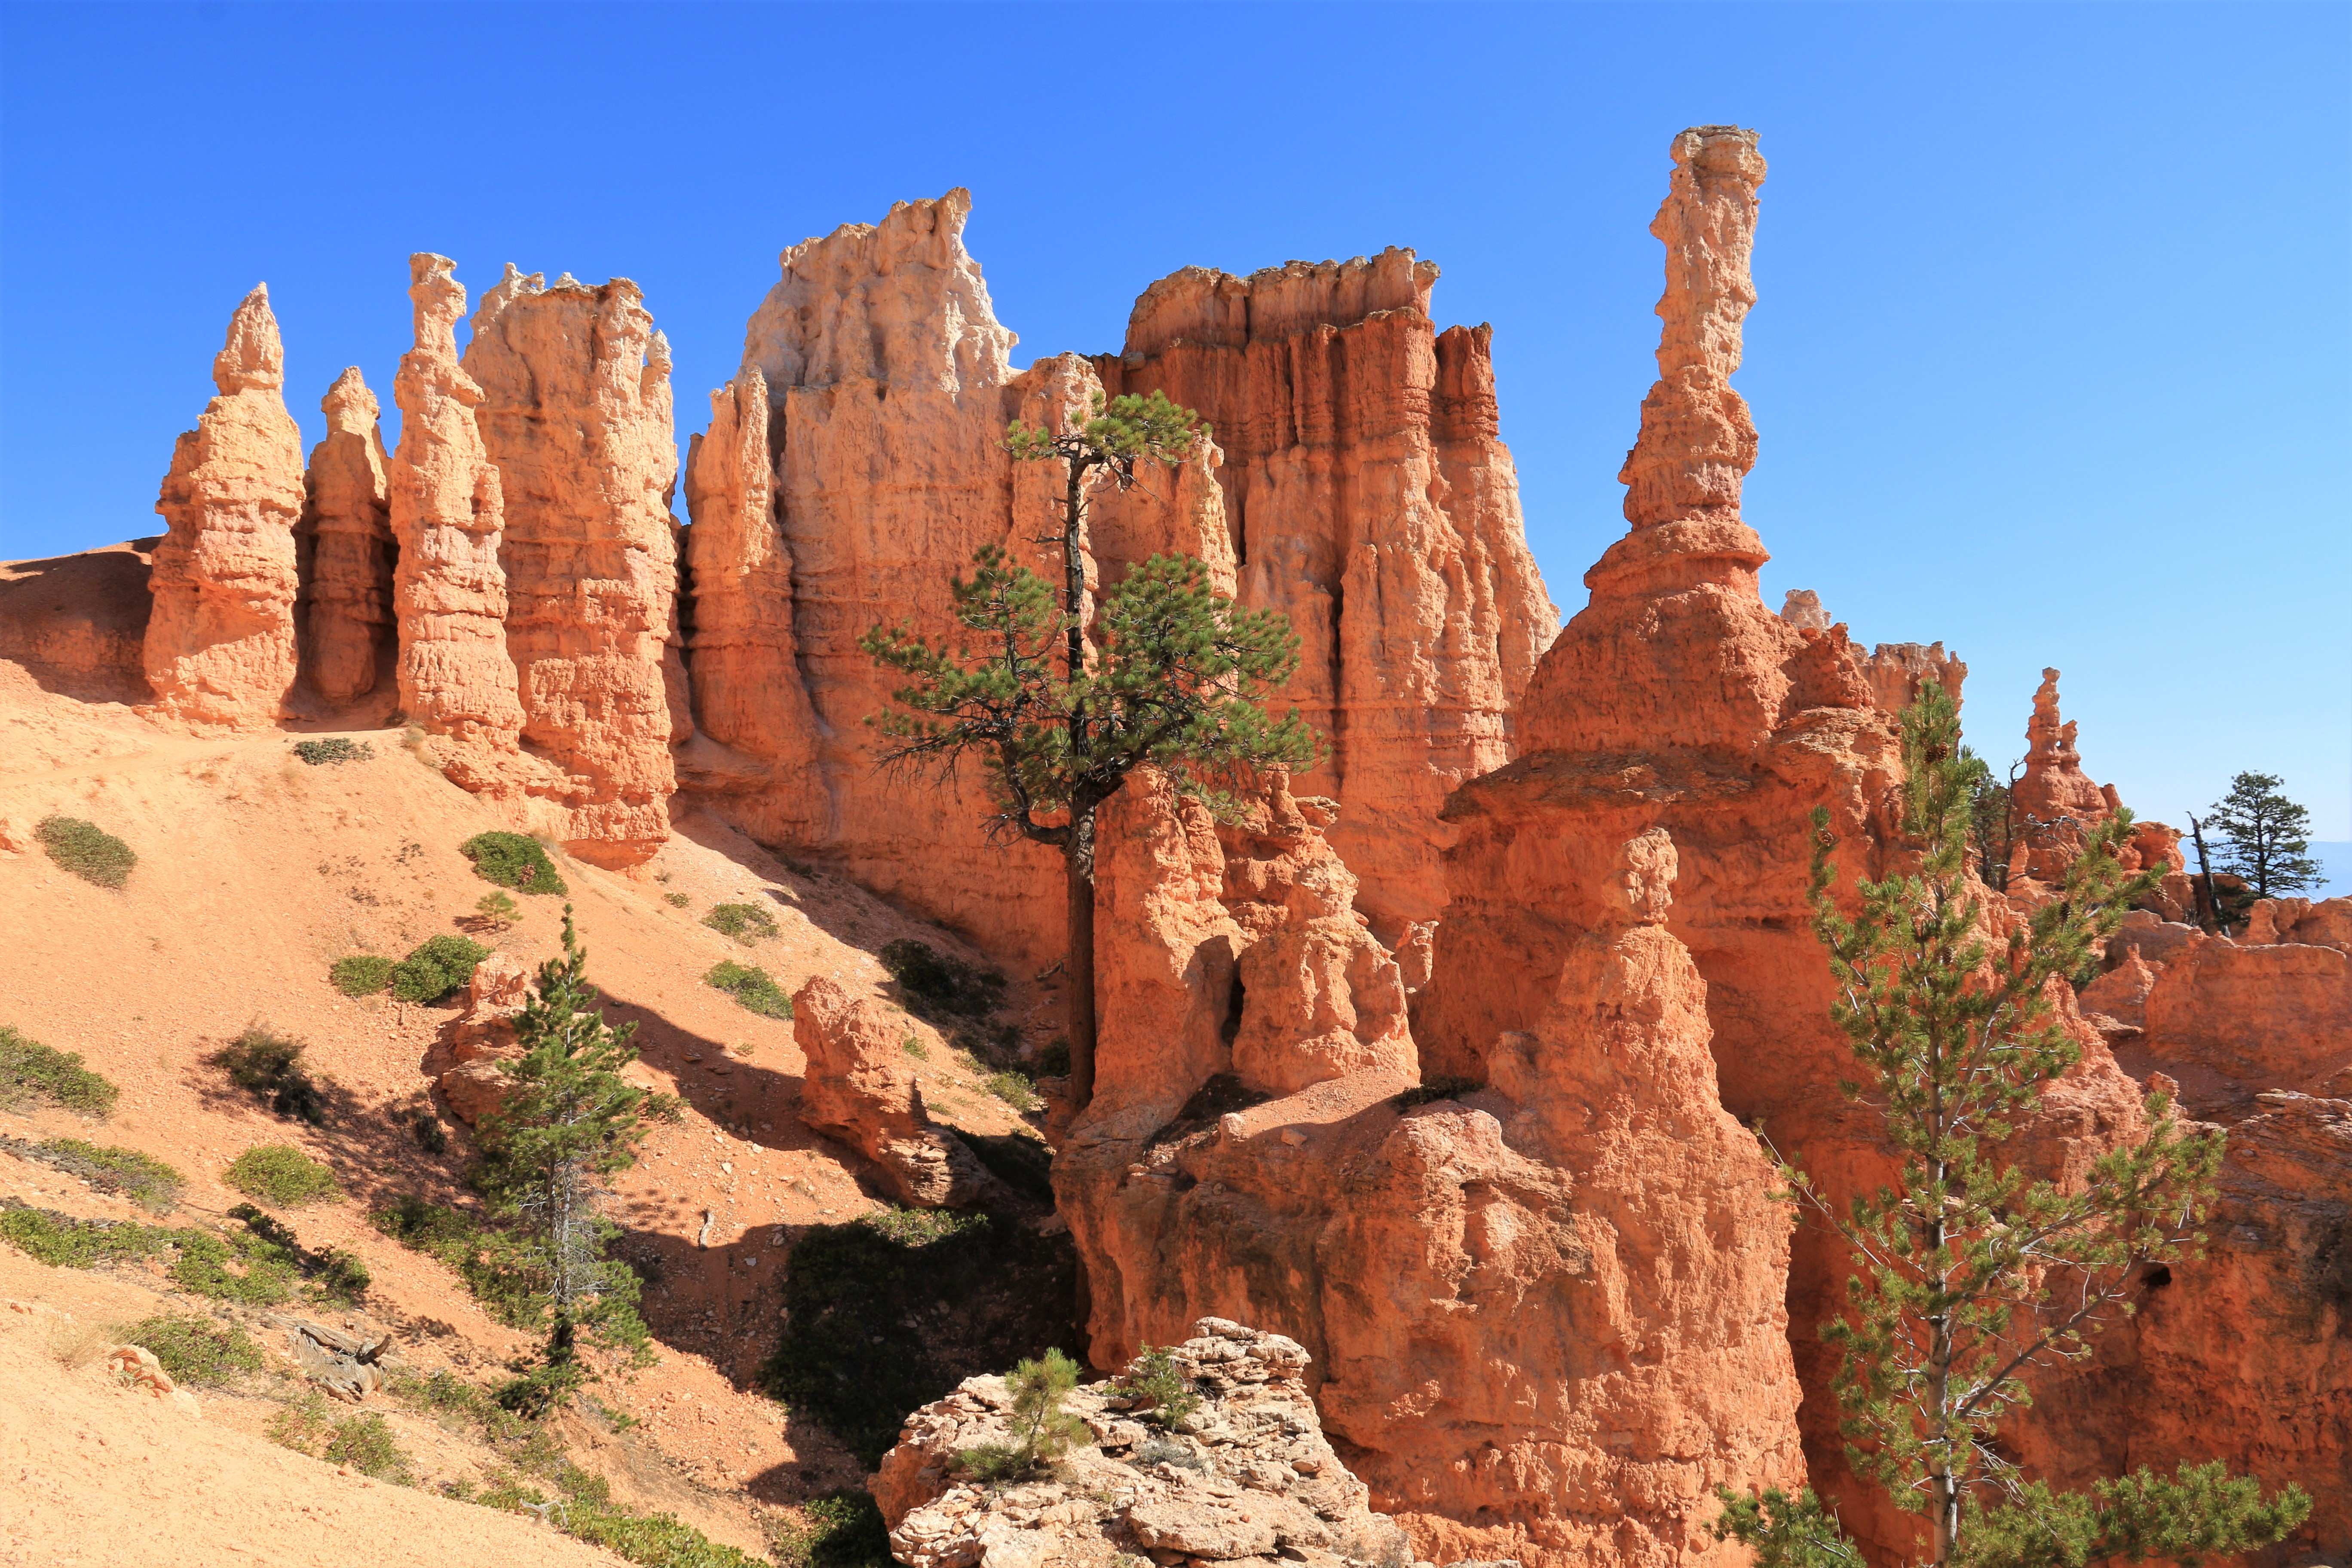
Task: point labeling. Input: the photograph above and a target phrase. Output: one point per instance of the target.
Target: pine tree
(2269, 836)
(1962, 1256)
(568, 1121)
(1171, 675)
(1992, 819)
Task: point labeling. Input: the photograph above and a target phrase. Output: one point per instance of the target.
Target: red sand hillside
(256, 872)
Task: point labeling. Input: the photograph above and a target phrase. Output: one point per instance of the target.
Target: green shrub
(497, 910)
(437, 966)
(88, 850)
(426, 1129)
(513, 860)
(62, 1243)
(840, 1530)
(935, 982)
(1436, 1088)
(361, 974)
(365, 1443)
(1041, 1429)
(675, 901)
(752, 988)
(28, 1068)
(244, 1266)
(281, 1174)
(657, 1540)
(144, 1179)
(1054, 1061)
(334, 748)
(196, 1349)
(269, 1066)
(1014, 1089)
(747, 923)
(913, 1045)
(1155, 1377)
(498, 1271)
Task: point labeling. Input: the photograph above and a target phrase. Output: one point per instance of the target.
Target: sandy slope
(256, 872)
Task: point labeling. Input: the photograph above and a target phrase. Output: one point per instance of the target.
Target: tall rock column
(449, 593)
(1371, 502)
(220, 646)
(347, 621)
(576, 415)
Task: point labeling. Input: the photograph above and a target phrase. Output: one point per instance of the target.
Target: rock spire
(575, 413)
(220, 645)
(346, 539)
(447, 513)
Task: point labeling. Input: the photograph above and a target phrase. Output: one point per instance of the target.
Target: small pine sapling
(1042, 1430)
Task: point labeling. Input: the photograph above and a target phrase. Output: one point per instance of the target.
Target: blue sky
(2049, 361)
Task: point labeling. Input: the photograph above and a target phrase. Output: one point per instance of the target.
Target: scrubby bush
(1157, 1380)
(143, 1179)
(334, 748)
(752, 988)
(361, 974)
(913, 1045)
(436, 967)
(88, 850)
(498, 1272)
(513, 860)
(747, 923)
(935, 982)
(281, 1174)
(365, 1443)
(29, 1069)
(196, 1349)
(497, 911)
(675, 901)
(584, 1510)
(245, 1266)
(1014, 1089)
(65, 1243)
(269, 1066)
(426, 1129)
(840, 1530)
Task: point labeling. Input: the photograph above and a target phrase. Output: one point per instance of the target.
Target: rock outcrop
(483, 1037)
(1675, 698)
(449, 592)
(346, 548)
(1245, 1478)
(859, 1088)
(576, 414)
(1548, 1314)
(1370, 501)
(2055, 798)
(220, 646)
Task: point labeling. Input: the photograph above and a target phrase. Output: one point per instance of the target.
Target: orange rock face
(220, 646)
(1548, 1314)
(576, 414)
(1369, 499)
(346, 545)
(449, 593)
(859, 1088)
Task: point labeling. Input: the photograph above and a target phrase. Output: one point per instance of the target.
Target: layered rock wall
(576, 414)
(220, 645)
(1370, 501)
(347, 549)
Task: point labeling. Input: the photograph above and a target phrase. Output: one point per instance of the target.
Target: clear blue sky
(2049, 363)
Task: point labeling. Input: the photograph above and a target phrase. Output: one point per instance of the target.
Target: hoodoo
(220, 646)
(346, 544)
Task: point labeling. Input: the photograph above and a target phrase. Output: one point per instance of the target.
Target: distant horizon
(2031, 374)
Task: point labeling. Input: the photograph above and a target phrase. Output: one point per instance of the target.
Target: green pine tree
(2268, 837)
(568, 1120)
(1170, 674)
(1961, 1258)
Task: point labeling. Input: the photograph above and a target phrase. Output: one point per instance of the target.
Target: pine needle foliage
(1970, 1272)
(569, 1122)
(1058, 711)
(1041, 1429)
(2266, 837)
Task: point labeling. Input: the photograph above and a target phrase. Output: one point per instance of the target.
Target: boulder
(860, 1088)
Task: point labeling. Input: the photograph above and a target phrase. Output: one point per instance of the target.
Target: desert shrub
(143, 1179)
(584, 1510)
(497, 910)
(365, 1442)
(196, 1349)
(840, 1530)
(361, 974)
(892, 1310)
(936, 982)
(752, 988)
(675, 901)
(913, 1045)
(281, 1174)
(88, 850)
(1054, 1059)
(499, 1272)
(1155, 1376)
(269, 1066)
(513, 860)
(334, 748)
(747, 923)
(435, 967)
(430, 1135)
(62, 1243)
(239, 1265)
(248, 1265)
(29, 1069)
(1014, 1088)
(341, 1276)
(1436, 1088)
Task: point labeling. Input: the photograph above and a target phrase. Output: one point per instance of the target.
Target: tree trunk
(1078, 870)
(2212, 910)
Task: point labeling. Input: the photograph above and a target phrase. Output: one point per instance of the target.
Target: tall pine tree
(2267, 834)
(1971, 1273)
